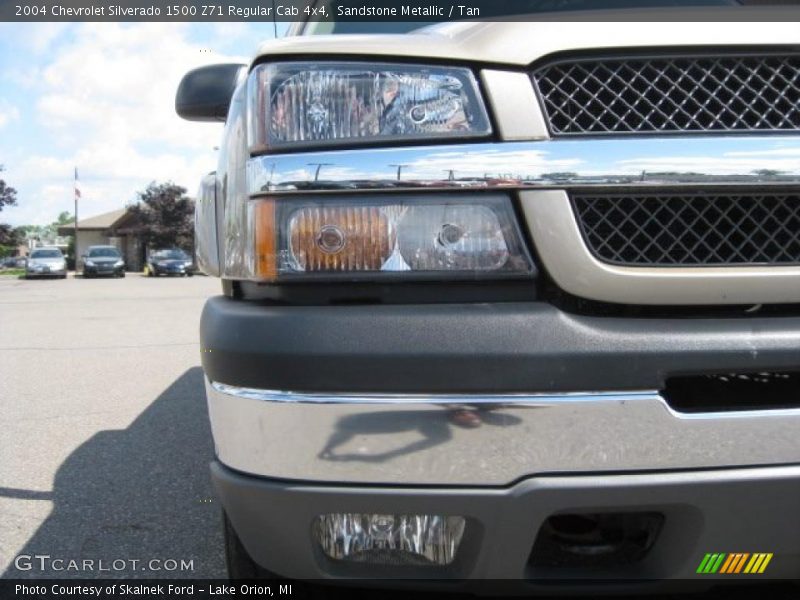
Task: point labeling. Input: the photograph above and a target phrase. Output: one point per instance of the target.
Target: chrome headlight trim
(697, 161)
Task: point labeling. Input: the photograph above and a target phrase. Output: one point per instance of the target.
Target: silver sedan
(46, 262)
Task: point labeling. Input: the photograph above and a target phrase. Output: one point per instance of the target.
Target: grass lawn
(12, 272)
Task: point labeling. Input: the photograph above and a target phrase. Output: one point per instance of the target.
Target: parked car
(46, 262)
(579, 363)
(171, 261)
(14, 262)
(103, 261)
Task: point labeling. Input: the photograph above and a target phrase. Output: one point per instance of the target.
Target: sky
(99, 97)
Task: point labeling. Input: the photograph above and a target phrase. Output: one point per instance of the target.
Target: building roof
(96, 223)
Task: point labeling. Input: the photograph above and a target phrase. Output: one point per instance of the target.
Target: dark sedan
(103, 260)
(172, 261)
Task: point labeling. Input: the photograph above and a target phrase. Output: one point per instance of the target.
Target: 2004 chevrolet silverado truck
(507, 301)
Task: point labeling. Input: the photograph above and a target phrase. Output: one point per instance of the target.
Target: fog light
(382, 539)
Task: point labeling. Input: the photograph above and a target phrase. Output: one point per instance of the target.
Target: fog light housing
(390, 540)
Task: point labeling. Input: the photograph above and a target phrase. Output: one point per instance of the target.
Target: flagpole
(75, 193)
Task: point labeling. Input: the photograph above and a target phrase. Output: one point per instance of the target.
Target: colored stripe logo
(734, 563)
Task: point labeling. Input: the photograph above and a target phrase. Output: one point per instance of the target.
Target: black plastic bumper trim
(499, 347)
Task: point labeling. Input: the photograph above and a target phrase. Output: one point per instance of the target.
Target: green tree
(8, 195)
(164, 214)
(64, 218)
(10, 237)
(49, 232)
(560, 175)
(768, 172)
(44, 233)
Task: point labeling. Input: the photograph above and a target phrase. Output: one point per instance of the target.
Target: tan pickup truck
(507, 301)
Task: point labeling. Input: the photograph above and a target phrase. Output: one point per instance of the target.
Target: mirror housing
(204, 94)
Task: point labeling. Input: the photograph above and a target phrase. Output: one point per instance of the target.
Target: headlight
(89, 263)
(316, 104)
(119, 263)
(396, 236)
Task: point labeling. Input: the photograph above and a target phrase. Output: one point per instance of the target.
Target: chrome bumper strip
(432, 399)
(698, 160)
(485, 439)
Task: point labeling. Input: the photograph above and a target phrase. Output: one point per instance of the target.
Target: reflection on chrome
(463, 439)
(427, 429)
(548, 164)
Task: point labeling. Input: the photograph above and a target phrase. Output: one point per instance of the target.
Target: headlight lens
(89, 263)
(400, 236)
(119, 263)
(314, 104)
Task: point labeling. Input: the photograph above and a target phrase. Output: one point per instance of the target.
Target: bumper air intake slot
(767, 390)
(581, 541)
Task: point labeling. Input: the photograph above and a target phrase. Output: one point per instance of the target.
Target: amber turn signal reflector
(340, 238)
(265, 239)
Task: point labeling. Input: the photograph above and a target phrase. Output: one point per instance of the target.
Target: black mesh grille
(671, 94)
(696, 230)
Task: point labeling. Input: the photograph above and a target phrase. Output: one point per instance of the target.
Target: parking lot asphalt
(105, 439)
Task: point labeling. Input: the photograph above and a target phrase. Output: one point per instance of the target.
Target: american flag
(77, 191)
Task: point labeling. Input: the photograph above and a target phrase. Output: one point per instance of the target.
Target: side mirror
(204, 94)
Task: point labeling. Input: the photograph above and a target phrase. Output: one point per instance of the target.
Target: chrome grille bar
(696, 161)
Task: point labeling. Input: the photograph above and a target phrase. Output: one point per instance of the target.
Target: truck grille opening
(661, 94)
(595, 540)
(767, 390)
(695, 229)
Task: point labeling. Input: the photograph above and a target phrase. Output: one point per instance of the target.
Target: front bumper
(49, 273)
(552, 392)
(172, 270)
(736, 510)
(103, 271)
(370, 424)
(513, 347)
(423, 439)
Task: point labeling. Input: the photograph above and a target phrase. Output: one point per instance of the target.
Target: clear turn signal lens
(452, 237)
(307, 104)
